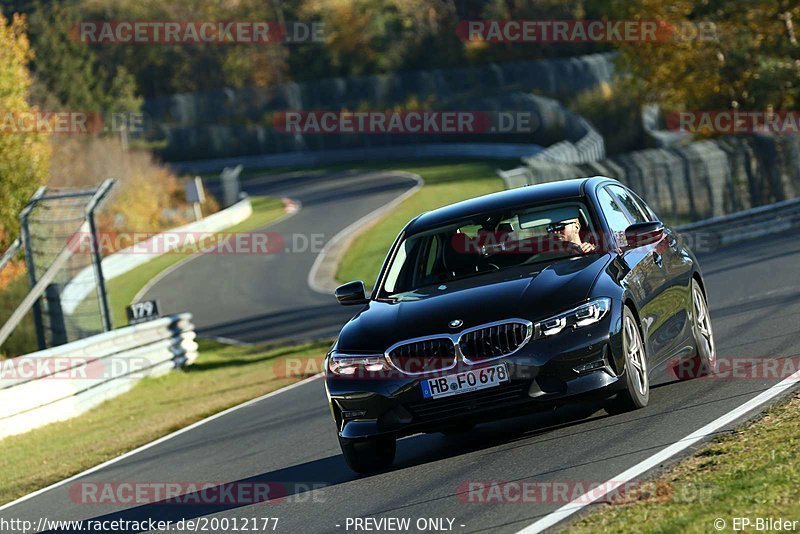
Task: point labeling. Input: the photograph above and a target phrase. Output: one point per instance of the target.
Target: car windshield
(488, 243)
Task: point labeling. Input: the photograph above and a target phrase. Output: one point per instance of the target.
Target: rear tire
(637, 382)
(705, 361)
(368, 455)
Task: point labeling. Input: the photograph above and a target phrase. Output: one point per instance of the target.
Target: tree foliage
(162, 69)
(24, 157)
(377, 36)
(68, 73)
(360, 37)
(748, 59)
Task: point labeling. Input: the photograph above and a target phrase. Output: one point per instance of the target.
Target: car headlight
(344, 364)
(584, 315)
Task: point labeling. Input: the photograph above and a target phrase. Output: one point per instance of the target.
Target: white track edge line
(588, 498)
(160, 440)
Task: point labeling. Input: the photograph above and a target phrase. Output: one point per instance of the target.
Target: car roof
(508, 199)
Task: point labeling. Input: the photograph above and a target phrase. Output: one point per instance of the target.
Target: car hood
(534, 292)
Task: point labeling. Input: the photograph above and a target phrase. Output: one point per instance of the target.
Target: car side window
(627, 200)
(645, 208)
(617, 220)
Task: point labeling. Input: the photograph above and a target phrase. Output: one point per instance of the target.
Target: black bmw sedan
(512, 302)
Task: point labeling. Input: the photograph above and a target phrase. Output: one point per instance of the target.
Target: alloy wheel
(635, 355)
(703, 330)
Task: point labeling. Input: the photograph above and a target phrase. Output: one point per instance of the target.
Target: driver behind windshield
(569, 231)
(488, 243)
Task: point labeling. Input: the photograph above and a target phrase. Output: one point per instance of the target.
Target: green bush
(61, 61)
(23, 339)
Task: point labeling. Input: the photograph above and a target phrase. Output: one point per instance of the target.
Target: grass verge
(223, 376)
(445, 183)
(754, 472)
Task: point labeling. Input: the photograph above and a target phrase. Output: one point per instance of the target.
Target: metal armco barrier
(332, 157)
(748, 224)
(62, 382)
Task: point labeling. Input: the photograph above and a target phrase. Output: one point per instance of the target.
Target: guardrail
(346, 155)
(62, 382)
(742, 225)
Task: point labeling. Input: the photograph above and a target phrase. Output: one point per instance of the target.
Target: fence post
(58, 329)
(25, 237)
(97, 258)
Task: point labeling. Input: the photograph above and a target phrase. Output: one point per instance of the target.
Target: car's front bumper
(542, 375)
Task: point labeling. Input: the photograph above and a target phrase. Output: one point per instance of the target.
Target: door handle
(657, 259)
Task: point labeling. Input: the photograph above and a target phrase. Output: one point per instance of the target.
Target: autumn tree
(721, 55)
(24, 156)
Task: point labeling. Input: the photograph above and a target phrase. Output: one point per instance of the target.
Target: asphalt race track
(260, 297)
(289, 440)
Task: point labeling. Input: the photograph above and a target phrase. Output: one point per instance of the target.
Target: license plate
(472, 380)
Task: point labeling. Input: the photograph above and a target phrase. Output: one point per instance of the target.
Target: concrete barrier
(66, 381)
(704, 179)
(208, 125)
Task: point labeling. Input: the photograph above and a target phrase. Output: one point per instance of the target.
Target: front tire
(637, 382)
(368, 455)
(705, 361)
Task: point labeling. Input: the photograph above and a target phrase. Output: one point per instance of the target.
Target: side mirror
(641, 234)
(351, 293)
